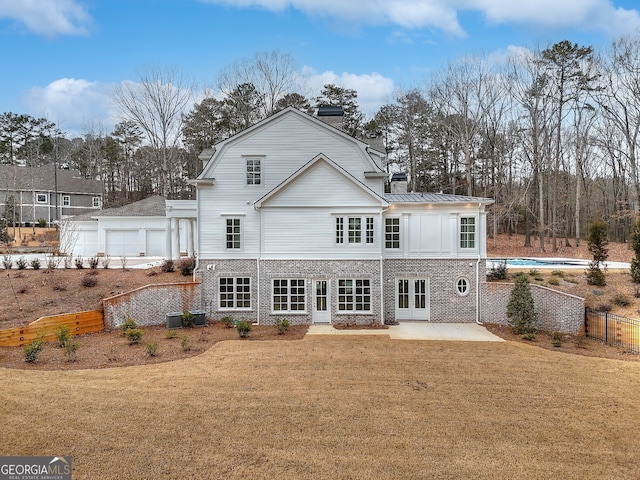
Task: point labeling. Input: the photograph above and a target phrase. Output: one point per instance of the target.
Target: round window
(462, 286)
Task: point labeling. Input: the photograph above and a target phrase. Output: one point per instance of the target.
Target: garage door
(86, 244)
(156, 243)
(122, 243)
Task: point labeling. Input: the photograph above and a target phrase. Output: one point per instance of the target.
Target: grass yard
(335, 408)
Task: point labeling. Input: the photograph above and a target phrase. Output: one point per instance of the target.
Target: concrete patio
(462, 332)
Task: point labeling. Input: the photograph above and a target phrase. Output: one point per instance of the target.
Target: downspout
(478, 273)
(258, 260)
(382, 237)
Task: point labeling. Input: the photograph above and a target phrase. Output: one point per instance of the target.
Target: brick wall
(557, 311)
(149, 305)
(446, 305)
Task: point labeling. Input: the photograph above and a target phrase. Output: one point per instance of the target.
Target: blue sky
(61, 58)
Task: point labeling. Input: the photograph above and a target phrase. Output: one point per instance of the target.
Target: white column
(190, 250)
(175, 239)
(167, 250)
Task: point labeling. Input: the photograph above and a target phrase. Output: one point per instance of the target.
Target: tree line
(549, 133)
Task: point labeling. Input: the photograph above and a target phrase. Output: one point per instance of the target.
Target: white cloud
(71, 103)
(595, 15)
(374, 90)
(47, 17)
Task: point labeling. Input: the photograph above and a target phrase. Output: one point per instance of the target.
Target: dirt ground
(30, 294)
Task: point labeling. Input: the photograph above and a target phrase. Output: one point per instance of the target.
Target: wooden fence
(613, 329)
(79, 323)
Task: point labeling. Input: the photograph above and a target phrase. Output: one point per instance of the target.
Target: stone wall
(149, 305)
(557, 311)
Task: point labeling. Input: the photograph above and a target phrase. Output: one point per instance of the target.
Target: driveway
(462, 332)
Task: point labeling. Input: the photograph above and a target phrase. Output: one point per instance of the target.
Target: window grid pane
(355, 230)
(233, 233)
(467, 232)
(369, 230)
(339, 230)
(392, 233)
(253, 171)
(289, 295)
(235, 293)
(354, 295)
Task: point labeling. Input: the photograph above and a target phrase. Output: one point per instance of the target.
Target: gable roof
(42, 179)
(154, 206)
(308, 167)
(219, 148)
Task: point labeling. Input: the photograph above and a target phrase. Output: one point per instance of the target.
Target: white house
(293, 222)
(153, 227)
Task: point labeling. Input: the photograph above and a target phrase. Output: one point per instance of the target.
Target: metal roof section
(330, 111)
(431, 198)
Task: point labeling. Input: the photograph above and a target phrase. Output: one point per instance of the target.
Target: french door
(412, 299)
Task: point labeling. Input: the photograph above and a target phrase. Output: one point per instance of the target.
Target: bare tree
(157, 104)
(272, 74)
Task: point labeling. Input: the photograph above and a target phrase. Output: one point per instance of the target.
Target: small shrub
(572, 279)
(498, 271)
(59, 287)
(21, 263)
(123, 262)
(62, 334)
(169, 334)
(106, 260)
(33, 349)
(89, 281)
(188, 319)
(521, 312)
(621, 300)
(134, 335)
(603, 307)
(70, 348)
(186, 266)
(42, 223)
(35, 264)
(23, 290)
(243, 328)
(227, 321)
(128, 324)
(553, 281)
(558, 273)
(185, 344)
(534, 273)
(529, 337)
(7, 263)
(556, 339)
(93, 262)
(151, 348)
(282, 325)
(67, 262)
(53, 263)
(79, 262)
(167, 266)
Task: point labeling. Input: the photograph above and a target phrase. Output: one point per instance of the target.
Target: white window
(462, 286)
(288, 295)
(41, 197)
(233, 231)
(467, 232)
(66, 200)
(96, 202)
(254, 171)
(354, 295)
(392, 233)
(234, 293)
(359, 230)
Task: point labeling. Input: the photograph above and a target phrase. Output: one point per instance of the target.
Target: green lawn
(335, 408)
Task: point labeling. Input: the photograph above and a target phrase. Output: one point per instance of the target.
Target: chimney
(332, 115)
(399, 182)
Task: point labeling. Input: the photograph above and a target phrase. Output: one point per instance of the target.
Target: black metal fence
(613, 329)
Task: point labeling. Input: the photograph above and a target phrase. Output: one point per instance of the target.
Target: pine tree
(597, 242)
(521, 312)
(635, 245)
(4, 235)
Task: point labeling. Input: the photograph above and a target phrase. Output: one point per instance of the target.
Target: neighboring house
(153, 227)
(293, 223)
(30, 194)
